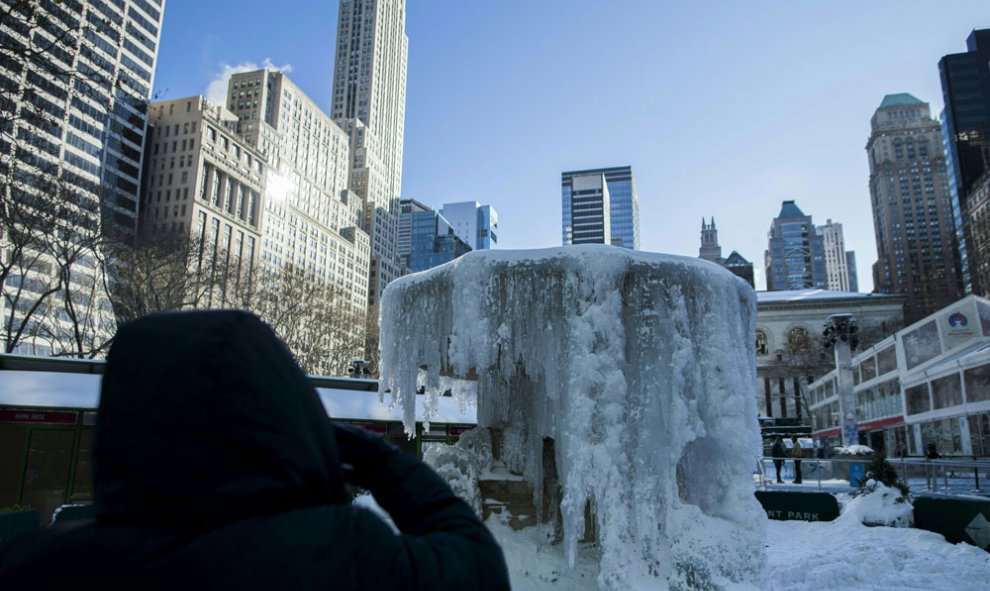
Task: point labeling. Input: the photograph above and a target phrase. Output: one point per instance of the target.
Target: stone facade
(203, 180)
(789, 353)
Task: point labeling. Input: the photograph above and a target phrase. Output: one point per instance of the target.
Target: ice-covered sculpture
(641, 369)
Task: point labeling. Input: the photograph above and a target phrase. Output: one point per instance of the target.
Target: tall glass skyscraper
(426, 238)
(795, 256)
(610, 216)
(476, 224)
(966, 137)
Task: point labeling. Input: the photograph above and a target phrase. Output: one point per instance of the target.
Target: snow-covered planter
(641, 369)
(878, 504)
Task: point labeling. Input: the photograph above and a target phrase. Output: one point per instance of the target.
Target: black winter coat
(215, 466)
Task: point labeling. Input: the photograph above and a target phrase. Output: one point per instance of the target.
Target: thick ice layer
(639, 366)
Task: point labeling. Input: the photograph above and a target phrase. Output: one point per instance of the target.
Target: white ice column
(640, 367)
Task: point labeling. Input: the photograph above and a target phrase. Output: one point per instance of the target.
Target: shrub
(880, 470)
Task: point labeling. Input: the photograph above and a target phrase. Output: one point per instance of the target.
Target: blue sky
(723, 109)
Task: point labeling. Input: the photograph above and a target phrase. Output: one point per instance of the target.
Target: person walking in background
(931, 454)
(777, 453)
(797, 453)
(216, 467)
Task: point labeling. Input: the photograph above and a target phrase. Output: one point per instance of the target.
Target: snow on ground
(802, 556)
(844, 554)
(536, 565)
(838, 555)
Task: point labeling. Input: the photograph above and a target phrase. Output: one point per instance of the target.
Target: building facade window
(762, 343)
(798, 340)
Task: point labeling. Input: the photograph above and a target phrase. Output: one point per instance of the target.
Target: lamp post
(841, 333)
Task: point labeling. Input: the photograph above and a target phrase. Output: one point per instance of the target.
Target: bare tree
(318, 322)
(157, 273)
(83, 324)
(332, 335)
(28, 219)
(372, 343)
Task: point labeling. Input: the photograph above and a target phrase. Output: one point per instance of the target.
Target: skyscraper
(966, 137)
(853, 274)
(587, 208)
(912, 216)
(75, 78)
(615, 223)
(426, 238)
(740, 267)
(795, 255)
(369, 103)
(836, 261)
(203, 180)
(476, 224)
(312, 221)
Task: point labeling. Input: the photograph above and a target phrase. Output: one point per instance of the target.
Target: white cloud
(216, 90)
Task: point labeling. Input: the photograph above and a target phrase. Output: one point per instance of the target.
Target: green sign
(800, 506)
(959, 520)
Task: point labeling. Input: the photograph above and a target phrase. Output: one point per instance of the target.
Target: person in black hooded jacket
(215, 466)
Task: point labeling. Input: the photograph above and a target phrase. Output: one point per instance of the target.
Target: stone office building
(204, 180)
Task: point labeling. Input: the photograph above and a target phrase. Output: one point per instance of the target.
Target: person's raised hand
(362, 454)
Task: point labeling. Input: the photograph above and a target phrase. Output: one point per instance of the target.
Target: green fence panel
(959, 520)
(800, 506)
(14, 524)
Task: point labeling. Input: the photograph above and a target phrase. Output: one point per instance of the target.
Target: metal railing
(944, 475)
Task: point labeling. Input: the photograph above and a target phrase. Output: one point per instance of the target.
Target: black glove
(362, 455)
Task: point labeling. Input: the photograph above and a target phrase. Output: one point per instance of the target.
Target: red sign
(373, 427)
(61, 417)
(456, 431)
(881, 423)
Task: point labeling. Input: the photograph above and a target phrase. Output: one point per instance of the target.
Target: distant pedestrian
(797, 453)
(931, 453)
(777, 452)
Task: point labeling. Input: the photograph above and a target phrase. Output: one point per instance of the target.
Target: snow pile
(459, 468)
(879, 504)
(536, 564)
(640, 367)
(844, 554)
(853, 450)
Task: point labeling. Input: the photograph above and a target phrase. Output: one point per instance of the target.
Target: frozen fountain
(618, 384)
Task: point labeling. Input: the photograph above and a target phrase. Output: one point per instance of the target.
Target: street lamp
(842, 334)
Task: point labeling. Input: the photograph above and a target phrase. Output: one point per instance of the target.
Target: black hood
(205, 418)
